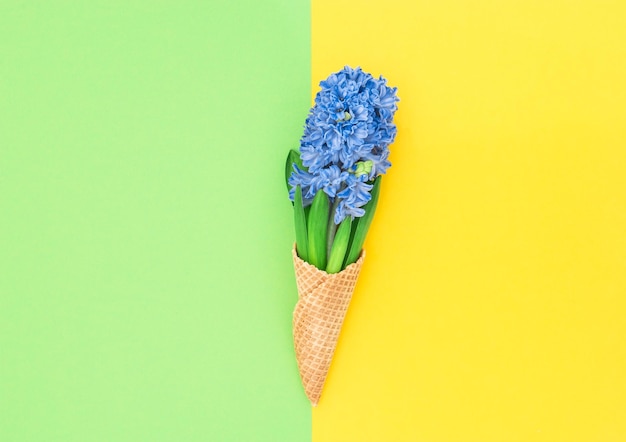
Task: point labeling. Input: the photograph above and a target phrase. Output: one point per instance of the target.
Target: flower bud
(362, 168)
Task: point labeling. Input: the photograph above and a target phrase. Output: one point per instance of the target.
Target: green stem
(332, 227)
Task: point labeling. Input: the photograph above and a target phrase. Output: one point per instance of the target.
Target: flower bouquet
(334, 182)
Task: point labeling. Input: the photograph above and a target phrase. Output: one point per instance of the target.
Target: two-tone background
(146, 284)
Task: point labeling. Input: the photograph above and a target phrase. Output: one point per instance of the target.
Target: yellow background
(492, 302)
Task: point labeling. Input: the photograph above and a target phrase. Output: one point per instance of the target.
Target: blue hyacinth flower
(350, 123)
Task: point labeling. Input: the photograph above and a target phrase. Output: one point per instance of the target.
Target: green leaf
(292, 157)
(363, 225)
(302, 242)
(340, 245)
(317, 230)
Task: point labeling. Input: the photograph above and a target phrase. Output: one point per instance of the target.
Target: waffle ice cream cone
(317, 319)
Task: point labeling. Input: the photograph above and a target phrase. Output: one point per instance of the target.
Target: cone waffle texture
(317, 319)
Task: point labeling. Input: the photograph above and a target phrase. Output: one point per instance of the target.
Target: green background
(146, 284)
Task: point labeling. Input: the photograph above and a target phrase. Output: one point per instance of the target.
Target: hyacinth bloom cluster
(346, 141)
